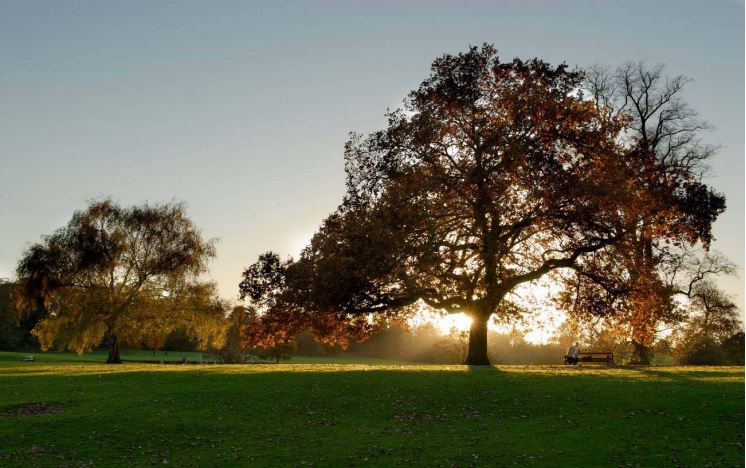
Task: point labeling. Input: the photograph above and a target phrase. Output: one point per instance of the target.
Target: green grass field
(367, 413)
(99, 356)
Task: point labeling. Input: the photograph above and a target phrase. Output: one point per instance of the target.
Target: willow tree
(492, 175)
(120, 275)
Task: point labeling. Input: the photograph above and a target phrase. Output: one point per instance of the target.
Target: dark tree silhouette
(493, 175)
(713, 313)
(120, 275)
(713, 330)
(632, 283)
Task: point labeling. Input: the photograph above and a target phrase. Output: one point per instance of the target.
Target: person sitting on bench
(572, 354)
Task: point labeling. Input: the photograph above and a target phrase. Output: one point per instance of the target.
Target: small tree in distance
(233, 350)
(121, 275)
(278, 352)
(256, 339)
(711, 329)
(454, 347)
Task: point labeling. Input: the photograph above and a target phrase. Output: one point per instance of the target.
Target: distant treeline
(426, 343)
(15, 329)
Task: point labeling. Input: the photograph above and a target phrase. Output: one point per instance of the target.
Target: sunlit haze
(536, 327)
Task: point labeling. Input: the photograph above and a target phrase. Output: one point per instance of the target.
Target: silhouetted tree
(711, 328)
(306, 345)
(733, 347)
(15, 324)
(454, 348)
(714, 313)
(277, 352)
(257, 339)
(181, 340)
(11, 333)
(233, 351)
(120, 275)
(493, 175)
(627, 282)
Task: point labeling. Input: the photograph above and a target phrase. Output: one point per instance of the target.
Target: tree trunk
(113, 357)
(477, 355)
(642, 353)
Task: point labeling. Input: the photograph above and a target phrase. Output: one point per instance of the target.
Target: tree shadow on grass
(482, 368)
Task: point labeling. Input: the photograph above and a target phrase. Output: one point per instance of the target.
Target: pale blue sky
(241, 109)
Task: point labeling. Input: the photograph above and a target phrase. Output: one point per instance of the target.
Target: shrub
(704, 351)
(733, 348)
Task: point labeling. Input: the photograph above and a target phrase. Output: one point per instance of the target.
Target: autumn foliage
(121, 275)
(492, 175)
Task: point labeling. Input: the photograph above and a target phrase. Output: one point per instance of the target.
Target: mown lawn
(354, 414)
(170, 357)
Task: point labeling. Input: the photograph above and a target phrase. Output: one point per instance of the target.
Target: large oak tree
(493, 175)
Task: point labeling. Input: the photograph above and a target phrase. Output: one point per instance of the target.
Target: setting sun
(459, 322)
(538, 324)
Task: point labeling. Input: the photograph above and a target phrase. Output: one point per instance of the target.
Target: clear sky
(241, 109)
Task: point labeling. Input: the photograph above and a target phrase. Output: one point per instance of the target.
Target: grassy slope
(353, 414)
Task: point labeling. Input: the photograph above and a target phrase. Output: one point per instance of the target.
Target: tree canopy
(492, 175)
(634, 282)
(120, 275)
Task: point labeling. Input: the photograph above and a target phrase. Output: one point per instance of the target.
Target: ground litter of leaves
(30, 409)
(378, 415)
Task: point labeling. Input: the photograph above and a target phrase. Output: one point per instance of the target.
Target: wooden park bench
(28, 358)
(602, 356)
